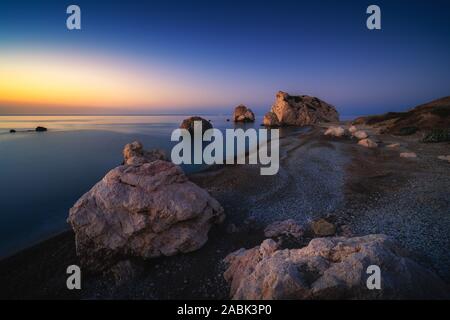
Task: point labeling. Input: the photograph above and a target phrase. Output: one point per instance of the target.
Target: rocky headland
(434, 115)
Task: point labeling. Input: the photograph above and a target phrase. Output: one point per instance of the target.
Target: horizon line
(137, 114)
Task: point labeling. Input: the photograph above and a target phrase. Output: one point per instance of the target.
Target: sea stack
(243, 114)
(188, 124)
(299, 111)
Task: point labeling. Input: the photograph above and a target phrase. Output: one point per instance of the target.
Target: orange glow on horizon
(59, 81)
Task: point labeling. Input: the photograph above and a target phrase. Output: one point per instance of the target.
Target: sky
(209, 56)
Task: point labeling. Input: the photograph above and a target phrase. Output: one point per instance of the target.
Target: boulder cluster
(354, 132)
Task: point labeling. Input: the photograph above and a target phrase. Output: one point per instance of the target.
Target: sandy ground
(361, 190)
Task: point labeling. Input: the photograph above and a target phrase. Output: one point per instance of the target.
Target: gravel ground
(409, 199)
(309, 184)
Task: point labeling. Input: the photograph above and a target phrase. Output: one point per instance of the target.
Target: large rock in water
(243, 114)
(188, 124)
(329, 268)
(146, 210)
(299, 111)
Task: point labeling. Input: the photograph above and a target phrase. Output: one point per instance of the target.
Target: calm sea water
(43, 174)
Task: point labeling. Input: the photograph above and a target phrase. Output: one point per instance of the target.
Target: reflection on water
(122, 124)
(43, 174)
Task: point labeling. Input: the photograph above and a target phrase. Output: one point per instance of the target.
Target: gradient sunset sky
(208, 56)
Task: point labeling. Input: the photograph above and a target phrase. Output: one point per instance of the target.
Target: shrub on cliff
(437, 135)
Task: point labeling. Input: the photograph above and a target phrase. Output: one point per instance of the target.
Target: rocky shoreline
(345, 197)
(359, 190)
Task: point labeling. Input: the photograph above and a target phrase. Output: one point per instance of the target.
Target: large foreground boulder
(299, 111)
(329, 268)
(243, 114)
(146, 210)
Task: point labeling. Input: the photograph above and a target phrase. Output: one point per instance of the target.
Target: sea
(42, 174)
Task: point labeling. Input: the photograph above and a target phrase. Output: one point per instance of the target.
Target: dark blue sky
(245, 51)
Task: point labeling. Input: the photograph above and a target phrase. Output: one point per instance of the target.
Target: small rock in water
(40, 129)
(323, 228)
(408, 155)
(12, 131)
